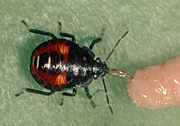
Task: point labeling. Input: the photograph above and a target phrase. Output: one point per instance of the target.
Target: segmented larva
(157, 86)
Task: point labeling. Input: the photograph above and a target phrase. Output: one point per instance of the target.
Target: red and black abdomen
(49, 63)
(61, 64)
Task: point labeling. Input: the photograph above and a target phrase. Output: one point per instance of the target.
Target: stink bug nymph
(60, 64)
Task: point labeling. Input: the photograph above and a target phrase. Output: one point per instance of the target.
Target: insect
(157, 86)
(60, 64)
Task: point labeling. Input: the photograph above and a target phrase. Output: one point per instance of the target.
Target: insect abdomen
(60, 64)
(49, 63)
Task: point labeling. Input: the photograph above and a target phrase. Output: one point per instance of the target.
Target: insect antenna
(107, 96)
(115, 72)
(116, 45)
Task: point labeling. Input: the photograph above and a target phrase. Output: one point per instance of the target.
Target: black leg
(89, 96)
(68, 94)
(66, 34)
(36, 92)
(38, 31)
(97, 40)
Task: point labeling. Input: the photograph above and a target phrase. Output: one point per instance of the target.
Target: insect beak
(119, 73)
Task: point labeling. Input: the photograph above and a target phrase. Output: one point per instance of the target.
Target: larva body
(157, 86)
(60, 64)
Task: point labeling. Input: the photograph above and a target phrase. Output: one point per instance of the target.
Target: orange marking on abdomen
(58, 79)
(61, 79)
